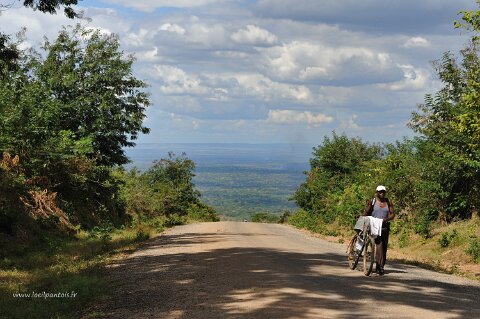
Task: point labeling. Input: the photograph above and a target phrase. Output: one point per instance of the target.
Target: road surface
(247, 270)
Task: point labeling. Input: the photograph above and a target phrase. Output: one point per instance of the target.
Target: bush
(474, 249)
(444, 241)
(202, 213)
(447, 238)
(102, 231)
(265, 218)
(142, 235)
(305, 220)
(175, 220)
(284, 217)
(396, 226)
(423, 226)
(403, 239)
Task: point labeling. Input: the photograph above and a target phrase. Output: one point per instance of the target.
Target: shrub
(306, 220)
(102, 231)
(403, 239)
(202, 213)
(447, 238)
(397, 225)
(284, 217)
(142, 235)
(175, 220)
(423, 226)
(474, 249)
(265, 218)
(444, 240)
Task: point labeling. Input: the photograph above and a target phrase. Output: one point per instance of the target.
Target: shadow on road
(248, 282)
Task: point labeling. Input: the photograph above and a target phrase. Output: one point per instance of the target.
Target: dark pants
(381, 245)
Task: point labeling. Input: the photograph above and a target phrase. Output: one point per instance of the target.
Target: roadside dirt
(247, 270)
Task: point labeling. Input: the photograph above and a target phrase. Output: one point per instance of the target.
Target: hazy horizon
(238, 179)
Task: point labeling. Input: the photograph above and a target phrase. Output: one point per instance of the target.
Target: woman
(380, 207)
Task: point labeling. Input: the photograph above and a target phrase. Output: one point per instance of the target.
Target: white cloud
(414, 79)
(208, 35)
(264, 88)
(37, 23)
(148, 55)
(174, 28)
(221, 67)
(309, 61)
(102, 31)
(350, 123)
(180, 104)
(416, 42)
(255, 36)
(177, 81)
(297, 117)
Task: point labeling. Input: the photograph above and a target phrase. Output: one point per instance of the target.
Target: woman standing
(381, 207)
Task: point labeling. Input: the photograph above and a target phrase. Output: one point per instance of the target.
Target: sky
(272, 71)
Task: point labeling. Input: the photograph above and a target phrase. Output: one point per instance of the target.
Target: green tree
(68, 113)
(449, 122)
(83, 91)
(332, 186)
(341, 155)
(172, 179)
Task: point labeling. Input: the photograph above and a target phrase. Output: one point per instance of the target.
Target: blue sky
(273, 71)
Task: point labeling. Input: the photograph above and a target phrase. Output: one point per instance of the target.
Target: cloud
(416, 42)
(264, 88)
(37, 23)
(297, 117)
(414, 79)
(177, 81)
(255, 36)
(350, 123)
(207, 35)
(224, 67)
(174, 28)
(407, 16)
(320, 63)
(151, 5)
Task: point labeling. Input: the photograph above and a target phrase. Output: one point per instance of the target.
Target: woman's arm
(368, 208)
(391, 212)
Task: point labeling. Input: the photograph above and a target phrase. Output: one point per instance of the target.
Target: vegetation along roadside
(67, 112)
(433, 179)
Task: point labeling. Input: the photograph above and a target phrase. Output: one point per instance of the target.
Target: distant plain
(238, 180)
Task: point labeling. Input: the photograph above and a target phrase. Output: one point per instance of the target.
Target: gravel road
(246, 270)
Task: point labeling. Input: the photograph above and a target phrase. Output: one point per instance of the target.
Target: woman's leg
(379, 252)
(385, 235)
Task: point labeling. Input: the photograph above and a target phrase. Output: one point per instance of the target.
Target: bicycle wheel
(352, 253)
(368, 257)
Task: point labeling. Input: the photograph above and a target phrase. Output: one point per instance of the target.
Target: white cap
(381, 188)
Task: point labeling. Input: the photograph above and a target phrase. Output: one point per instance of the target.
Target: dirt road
(246, 270)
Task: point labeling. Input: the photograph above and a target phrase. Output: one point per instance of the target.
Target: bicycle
(362, 245)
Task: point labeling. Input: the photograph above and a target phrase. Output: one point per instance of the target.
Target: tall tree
(68, 113)
(85, 88)
(450, 120)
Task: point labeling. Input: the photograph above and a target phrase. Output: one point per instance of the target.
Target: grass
(72, 266)
(446, 250)
(452, 248)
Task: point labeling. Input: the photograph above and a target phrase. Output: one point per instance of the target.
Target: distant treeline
(66, 115)
(433, 177)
